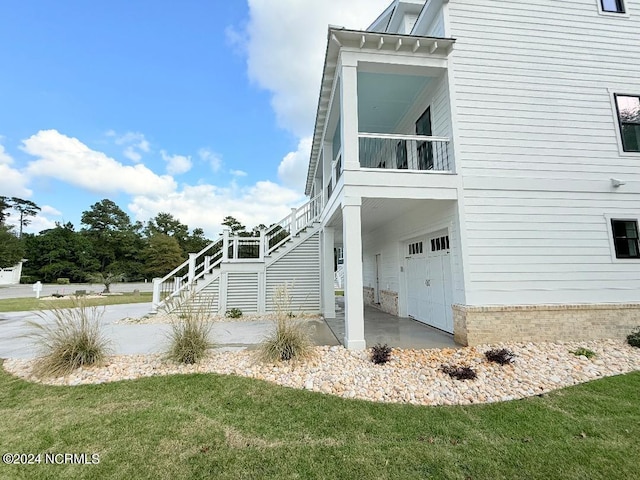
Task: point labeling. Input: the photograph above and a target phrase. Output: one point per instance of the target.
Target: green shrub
(233, 313)
(380, 354)
(633, 338)
(62, 281)
(74, 339)
(189, 334)
(289, 340)
(583, 352)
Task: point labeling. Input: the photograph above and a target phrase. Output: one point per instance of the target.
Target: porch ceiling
(383, 99)
(377, 212)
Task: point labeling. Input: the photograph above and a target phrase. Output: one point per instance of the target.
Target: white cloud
(49, 210)
(205, 206)
(176, 164)
(292, 170)
(285, 50)
(212, 158)
(134, 142)
(13, 182)
(238, 173)
(69, 160)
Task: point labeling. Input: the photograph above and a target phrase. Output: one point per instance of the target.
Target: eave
(357, 40)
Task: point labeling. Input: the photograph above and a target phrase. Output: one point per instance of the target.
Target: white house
(11, 275)
(479, 163)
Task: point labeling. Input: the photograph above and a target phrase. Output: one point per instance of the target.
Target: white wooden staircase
(244, 272)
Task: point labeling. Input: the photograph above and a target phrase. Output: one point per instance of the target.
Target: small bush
(380, 354)
(74, 339)
(633, 338)
(189, 335)
(62, 281)
(289, 340)
(57, 295)
(233, 313)
(583, 352)
(459, 373)
(502, 356)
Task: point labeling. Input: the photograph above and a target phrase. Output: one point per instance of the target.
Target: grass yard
(28, 304)
(211, 426)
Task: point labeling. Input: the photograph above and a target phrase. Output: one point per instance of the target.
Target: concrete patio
(400, 332)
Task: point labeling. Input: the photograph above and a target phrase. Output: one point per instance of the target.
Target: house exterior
(478, 163)
(11, 275)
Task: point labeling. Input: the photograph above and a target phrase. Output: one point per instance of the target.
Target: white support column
(262, 292)
(327, 148)
(225, 244)
(155, 299)
(222, 290)
(349, 116)
(192, 268)
(293, 229)
(261, 247)
(328, 290)
(353, 295)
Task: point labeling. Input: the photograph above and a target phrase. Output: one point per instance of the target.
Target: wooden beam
(434, 47)
(380, 43)
(398, 44)
(335, 39)
(416, 46)
(362, 41)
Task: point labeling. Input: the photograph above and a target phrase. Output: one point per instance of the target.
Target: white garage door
(429, 283)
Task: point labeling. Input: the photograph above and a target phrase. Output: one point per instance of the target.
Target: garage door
(429, 283)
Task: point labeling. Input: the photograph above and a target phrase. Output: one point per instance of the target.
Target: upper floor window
(613, 6)
(628, 108)
(625, 238)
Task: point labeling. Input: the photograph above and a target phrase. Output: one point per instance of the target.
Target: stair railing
(280, 232)
(181, 280)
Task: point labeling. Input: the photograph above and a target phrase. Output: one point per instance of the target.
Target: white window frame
(616, 119)
(629, 216)
(614, 14)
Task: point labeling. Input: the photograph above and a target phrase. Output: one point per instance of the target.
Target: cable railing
(404, 152)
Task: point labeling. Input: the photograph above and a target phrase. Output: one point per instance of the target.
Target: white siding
(537, 146)
(389, 242)
(209, 296)
(300, 270)
(242, 291)
(436, 96)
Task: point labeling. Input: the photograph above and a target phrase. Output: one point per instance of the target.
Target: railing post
(293, 228)
(207, 263)
(192, 268)
(236, 241)
(225, 244)
(155, 299)
(261, 245)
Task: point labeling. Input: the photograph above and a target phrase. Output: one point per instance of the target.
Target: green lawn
(211, 426)
(27, 304)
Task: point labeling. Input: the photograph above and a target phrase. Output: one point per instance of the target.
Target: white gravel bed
(172, 317)
(411, 376)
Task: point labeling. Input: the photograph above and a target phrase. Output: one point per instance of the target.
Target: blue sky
(199, 108)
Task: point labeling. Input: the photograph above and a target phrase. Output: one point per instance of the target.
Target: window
(612, 6)
(628, 108)
(440, 243)
(625, 238)
(416, 248)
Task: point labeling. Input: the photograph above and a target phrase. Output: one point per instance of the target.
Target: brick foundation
(478, 325)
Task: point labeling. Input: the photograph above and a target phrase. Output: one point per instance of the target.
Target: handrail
(397, 136)
(183, 277)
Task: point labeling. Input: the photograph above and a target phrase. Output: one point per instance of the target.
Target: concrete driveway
(145, 338)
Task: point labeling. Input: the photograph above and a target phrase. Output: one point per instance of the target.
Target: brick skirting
(478, 325)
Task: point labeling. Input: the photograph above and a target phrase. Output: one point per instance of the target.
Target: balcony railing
(404, 152)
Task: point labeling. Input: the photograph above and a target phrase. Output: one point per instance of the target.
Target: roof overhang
(356, 40)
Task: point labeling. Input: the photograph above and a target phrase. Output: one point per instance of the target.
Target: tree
(25, 208)
(59, 252)
(105, 279)
(196, 241)
(113, 236)
(11, 248)
(235, 226)
(5, 205)
(163, 254)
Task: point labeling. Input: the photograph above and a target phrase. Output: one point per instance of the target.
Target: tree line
(107, 244)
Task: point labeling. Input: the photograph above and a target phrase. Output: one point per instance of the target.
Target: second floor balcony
(405, 152)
